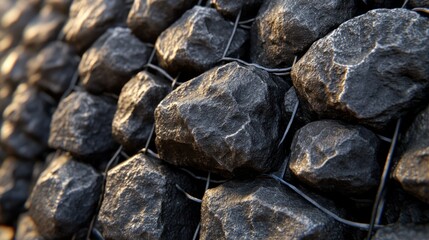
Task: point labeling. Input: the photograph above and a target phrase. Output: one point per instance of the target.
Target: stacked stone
(306, 95)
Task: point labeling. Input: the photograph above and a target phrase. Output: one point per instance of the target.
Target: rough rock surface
(284, 29)
(412, 170)
(419, 3)
(112, 60)
(262, 209)
(53, 69)
(6, 94)
(290, 101)
(196, 41)
(14, 65)
(226, 120)
(383, 54)
(82, 125)
(16, 18)
(134, 117)
(59, 5)
(89, 19)
(142, 202)
(335, 157)
(27, 229)
(401, 232)
(148, 18)
(64, 197)
(231, 8)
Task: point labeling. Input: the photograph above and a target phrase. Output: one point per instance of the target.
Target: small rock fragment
(142, 202)
(134, 117)
(27, 229)
(231, 9)
(401, 232)
(112, 60)
(196, 41)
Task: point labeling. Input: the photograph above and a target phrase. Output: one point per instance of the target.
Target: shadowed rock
(14, 65)
(400, 232)
(231, 8)
(26, 229)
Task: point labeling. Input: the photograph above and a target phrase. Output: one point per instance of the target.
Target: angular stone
(64, 197)
(17, 17)
(284, 29)
(335, 157)
(82, 125)
(53, 69)
(134, 117)
(147, 19)
(142, 202)
(27, 229)
(62, 6)
(227, 120)
(14, 65)
(44, 28)
(383, 54)
(412, 170)
(231, 8)
(89, 19)
(263, 209)
(15, 177)
(290, 101)
(401, 232)
(112, 60)
(196, 41)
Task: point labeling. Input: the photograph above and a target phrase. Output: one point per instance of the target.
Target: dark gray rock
(134, 117)
(15, 177)
(263, 209)
(17, 17)
(419, 3)
(284, 29)
(64, 197)
(53, 69)
(383, 54)
(30, 111)
(227, 120)
(14, 65)
(196, 41)
(26, 229)
(44, 28)
(335, 157)
(89, 19)
(142, 202)
(82, 125)
(401, 232)
(384, 3)
(112, 60)
(413, 166)
(231, 8)
(149, 18)
(62, 6)
(302, 117)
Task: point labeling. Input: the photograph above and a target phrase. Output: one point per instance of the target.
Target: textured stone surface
(26, 229)
(383, 54)
(6, 93)
(401, 232)
(286, 28)
(419, 3)
(231, 8)
(89, 19)
(17, 17)
(14, 65)
(82, 125)
(43, 28)
(148, 18)
(134, 117)
(412, 170)
(64, 197)
(335, 157)
(15, 177)
(301, 116)
(142, 202)
(263, 209)
(197, 41)
(227, 120)
(53, 68)
(112, 60)
(59, 5)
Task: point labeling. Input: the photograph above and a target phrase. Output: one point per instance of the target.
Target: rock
(62, 6)
(263, 209)
(89, 19)
(384, 3)
(7, 42)
(134, 117)
(413, 166)
(53, 69)
(419, 3)
(382, 54)
(6, 93)
(227, 120)
(290, 101)
(112, 60)
(44, 28)
(26, 229)
(335, 157)
(15, 177)
(400, 232)
(30, 111)
(14, 66)
(17, 17)
(284, 29)
(196, 41)
(230, 9)
(147, 19)
(82, 125)
(64, 198)
(142, 202)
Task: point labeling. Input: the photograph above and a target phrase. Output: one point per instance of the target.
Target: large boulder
(370, 70)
